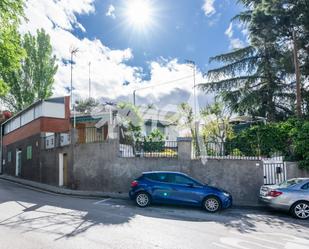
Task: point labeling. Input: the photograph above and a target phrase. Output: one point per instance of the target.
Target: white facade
(41, 109)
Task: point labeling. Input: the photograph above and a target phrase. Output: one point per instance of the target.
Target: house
(39, 142)
(164, 121)
(25, 134)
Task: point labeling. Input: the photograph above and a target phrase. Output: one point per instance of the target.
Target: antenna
(89, 65)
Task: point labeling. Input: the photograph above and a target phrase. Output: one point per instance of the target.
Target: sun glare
(139, 13)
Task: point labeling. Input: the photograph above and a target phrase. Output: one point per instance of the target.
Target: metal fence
(227, 150)
(151, 149)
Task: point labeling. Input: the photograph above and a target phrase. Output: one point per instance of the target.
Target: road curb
(62, 191)
(42, 187)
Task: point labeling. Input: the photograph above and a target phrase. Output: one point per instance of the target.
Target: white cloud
(109, 68)
(229, 32)
(235, 43)
(111, 11)
(208, 7)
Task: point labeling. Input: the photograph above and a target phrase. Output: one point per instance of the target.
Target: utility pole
(73, 51)
(192, 63)
(297, 74)
(134, 97)
(89, 64)
(196, 123)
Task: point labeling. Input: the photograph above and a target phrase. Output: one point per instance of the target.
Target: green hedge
(289, 139)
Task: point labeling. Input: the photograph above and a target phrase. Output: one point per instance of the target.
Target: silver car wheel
(142, 200)
(212, 204)
(302, 210)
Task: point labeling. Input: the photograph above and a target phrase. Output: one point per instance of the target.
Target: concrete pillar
(74, 136)
(184, 148)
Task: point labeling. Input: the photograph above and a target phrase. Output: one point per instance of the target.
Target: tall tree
(34, 80)
(292, 31)
(255, 79)
(11, 12)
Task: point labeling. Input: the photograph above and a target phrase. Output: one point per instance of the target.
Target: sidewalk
(63, 191)
(92, 194)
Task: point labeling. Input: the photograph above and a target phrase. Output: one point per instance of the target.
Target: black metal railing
(152, 149)
(229, 150)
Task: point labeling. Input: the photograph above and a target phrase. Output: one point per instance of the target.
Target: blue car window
(179, 179)
(159, 177)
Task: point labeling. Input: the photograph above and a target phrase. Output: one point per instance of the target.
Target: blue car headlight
(226, 194)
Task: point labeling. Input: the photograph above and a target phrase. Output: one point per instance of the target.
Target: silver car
(291, 195)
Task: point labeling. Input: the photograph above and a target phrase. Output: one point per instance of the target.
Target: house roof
(54, 100)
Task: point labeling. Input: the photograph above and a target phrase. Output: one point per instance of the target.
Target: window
(29, 152)
(160, 177)
(179, 179)
(9, 156)
(305, 187)
(291, 182)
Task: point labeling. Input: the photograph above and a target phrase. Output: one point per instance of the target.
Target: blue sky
(123, 51)
(181, 30)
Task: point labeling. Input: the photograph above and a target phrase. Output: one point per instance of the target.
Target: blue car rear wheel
(142, 199)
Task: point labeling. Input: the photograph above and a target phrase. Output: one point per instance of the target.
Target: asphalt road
(35, 220)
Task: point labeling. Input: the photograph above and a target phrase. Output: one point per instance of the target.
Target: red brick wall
(43, 124)
(23, 132)
(37, 126)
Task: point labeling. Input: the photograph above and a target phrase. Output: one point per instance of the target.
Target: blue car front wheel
(212, 204)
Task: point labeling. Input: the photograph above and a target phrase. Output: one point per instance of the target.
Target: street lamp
(73, 51)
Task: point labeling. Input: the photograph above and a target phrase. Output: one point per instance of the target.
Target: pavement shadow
(67, 217)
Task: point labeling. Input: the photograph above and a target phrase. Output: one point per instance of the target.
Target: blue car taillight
(134, 184)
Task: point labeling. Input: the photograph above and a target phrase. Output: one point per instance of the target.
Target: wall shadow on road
(66, 217)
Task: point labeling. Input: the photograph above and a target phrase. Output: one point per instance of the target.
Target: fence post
(184, 145)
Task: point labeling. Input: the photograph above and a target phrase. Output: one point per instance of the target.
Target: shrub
(289, 139)
(261, 140)
(154, 142)
(301, 145)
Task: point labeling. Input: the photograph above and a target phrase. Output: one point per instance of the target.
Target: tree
(130, 122)
(186, 120)
(87, 105)
(217, 126)
(11, 52)
(292, 32)
(34, 80)
(256, 79)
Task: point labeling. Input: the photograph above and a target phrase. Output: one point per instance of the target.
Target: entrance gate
(274, 172)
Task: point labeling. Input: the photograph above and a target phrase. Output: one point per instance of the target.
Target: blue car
(177, 188)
